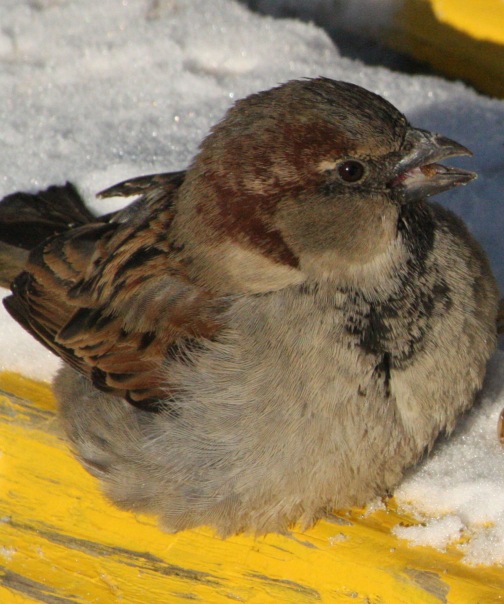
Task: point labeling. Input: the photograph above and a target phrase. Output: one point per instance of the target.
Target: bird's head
(315, 174)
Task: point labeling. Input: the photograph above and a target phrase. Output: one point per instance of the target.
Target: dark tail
(27, 219)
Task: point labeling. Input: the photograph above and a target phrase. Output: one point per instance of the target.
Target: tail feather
(27, 219)
(12, 262)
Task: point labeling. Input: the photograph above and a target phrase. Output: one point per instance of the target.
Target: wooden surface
(459, 38)
(60, 541)
(481, 19)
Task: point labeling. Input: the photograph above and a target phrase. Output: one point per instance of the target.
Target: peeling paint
(63, 542)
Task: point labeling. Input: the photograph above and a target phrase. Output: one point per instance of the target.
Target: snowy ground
(94, 92)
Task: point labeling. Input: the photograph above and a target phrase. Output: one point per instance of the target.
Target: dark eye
(351, 170)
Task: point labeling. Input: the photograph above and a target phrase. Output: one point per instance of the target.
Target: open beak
(418, 175)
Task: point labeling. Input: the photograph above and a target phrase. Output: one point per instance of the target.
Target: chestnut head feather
(305, 174)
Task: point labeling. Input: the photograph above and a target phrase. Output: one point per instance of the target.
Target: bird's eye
(351, 170)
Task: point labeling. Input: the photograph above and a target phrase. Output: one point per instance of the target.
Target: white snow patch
(463, 479)
(21, 353)
(438, 533)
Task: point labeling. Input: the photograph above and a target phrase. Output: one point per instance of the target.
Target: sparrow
(280, 330)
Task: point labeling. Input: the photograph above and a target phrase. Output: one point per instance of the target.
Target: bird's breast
(320, 388)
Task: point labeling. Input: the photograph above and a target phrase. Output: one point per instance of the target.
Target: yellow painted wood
(61, 542)
(461, 38)
(481, 19)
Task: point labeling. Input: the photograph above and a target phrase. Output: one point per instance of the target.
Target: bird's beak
(418, 176)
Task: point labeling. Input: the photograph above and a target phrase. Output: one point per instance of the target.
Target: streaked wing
(111, 298)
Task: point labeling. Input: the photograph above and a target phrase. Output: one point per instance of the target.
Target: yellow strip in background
(459, 38)
(61, 542)
(481, 19)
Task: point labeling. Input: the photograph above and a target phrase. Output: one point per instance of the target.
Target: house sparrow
(281, 329)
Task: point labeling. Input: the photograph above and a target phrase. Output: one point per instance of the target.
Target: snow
(459, 491)
(95, 92)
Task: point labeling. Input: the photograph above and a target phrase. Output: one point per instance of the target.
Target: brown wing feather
(112, 300)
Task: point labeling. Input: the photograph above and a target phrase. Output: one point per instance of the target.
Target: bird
(280, 330)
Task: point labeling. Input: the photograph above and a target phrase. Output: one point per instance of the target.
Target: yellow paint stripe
(460, 38)
(60, 541)
(481, 19)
